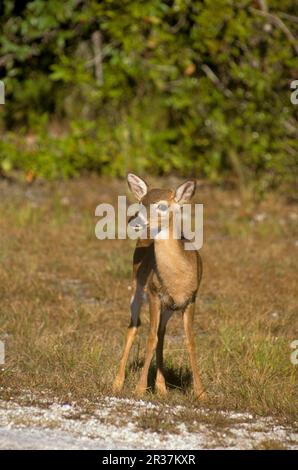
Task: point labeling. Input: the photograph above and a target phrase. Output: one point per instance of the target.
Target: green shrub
(159, 86)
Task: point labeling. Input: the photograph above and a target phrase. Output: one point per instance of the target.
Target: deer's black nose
(137, 222)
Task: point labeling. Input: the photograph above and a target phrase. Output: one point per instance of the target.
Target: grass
(64, 300)
(157, 421)
(162, 419)
(271, 444)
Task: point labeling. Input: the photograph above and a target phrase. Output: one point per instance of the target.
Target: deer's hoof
(161, 389)
(201, 395)
(117, 385)
(140, 391)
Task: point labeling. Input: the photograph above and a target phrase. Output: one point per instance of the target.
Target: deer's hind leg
(188, 318)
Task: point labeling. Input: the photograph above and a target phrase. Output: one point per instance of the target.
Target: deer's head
(157, 206)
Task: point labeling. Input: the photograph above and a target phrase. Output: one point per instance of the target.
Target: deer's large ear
(137, 185)
(185, 191)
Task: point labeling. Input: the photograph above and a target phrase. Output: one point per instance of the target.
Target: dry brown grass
(271, 444)
(64, 299)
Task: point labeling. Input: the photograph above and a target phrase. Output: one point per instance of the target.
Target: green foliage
(157, 86)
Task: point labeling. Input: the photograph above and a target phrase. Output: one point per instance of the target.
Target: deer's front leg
(154, 305)
(135, 307)
(188, 317)
(160, 379)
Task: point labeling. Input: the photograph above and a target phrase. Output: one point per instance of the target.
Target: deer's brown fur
(170, 276)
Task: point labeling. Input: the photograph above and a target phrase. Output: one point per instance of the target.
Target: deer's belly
(172, 299)
(175, 302)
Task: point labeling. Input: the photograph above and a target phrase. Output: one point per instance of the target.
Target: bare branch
(97, 48)
(214, 79)
(276, 21)
(263, 5)
(288, 17)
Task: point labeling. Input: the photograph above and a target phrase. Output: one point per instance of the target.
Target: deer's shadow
(176, 378)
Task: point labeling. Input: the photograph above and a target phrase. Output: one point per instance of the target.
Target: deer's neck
(169, 255)
(176, 268)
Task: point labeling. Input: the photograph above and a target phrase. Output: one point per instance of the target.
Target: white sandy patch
(113, 425)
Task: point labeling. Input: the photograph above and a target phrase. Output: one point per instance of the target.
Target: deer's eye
(162, 207)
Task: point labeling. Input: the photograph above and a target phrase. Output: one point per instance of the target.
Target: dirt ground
(64, 309)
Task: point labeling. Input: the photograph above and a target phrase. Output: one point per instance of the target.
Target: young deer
(169, 274)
